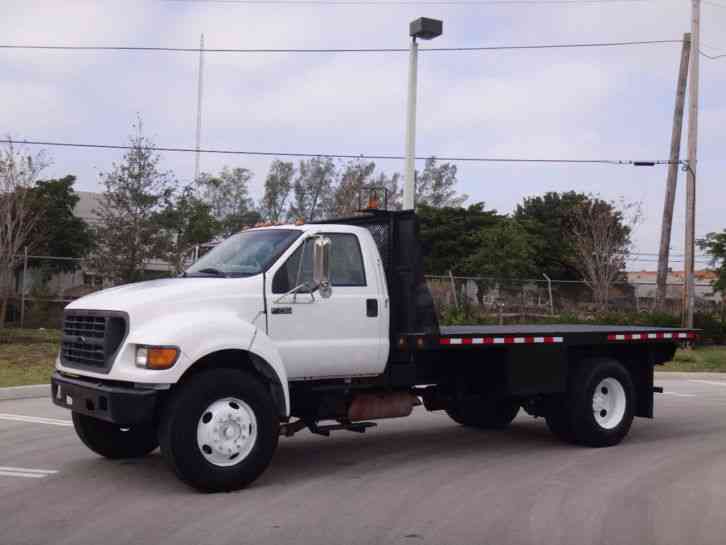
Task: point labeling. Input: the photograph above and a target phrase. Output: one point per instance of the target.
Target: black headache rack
(396, 235)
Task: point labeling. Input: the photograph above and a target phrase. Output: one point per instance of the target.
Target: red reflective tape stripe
(488, 340)
(549, 340)
(467, 341)
(443, 340)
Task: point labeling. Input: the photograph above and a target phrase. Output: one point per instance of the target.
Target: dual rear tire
(598, 408)
(484, 413)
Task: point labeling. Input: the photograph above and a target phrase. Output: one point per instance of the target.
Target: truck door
(340, 336)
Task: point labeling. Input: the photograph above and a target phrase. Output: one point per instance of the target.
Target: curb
(665, 375)
(31, 391)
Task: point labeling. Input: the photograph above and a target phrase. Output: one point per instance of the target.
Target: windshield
(244, 254)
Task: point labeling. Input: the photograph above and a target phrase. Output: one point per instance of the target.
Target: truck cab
(325, 326)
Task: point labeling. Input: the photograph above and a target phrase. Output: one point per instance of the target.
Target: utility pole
(199, 106)
(692, 164)
(672, 179)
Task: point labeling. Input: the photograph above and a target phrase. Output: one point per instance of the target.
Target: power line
(410, 2)
(711, 57)
(341, 156)
(335, 50)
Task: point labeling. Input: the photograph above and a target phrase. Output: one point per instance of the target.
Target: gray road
(421, 480)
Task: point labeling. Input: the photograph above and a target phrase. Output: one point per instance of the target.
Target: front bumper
(122, 405)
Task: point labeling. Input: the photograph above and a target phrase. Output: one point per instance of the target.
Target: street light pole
(425, 29)
(410, 172)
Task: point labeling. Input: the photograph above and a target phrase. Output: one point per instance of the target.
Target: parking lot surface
(418, 480)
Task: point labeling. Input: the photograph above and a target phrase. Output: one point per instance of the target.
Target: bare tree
(19, 171)
(601, 237)
(313, 190)
(436, 185)
(277, 189)
(354, 178)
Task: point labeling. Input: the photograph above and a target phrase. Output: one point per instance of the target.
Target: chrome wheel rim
(227, 432)
(608, 403)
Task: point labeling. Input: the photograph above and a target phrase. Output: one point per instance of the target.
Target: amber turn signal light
(156, 357)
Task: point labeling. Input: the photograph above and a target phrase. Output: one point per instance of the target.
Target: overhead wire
(381, 157)
(333, 50)
(410, 2)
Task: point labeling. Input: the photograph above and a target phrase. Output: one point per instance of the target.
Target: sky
(588, 103)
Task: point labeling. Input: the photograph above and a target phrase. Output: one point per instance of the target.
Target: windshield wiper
(209, 271)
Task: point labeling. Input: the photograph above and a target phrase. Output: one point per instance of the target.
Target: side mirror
(321, 266)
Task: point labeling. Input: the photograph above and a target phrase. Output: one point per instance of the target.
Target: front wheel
(112, 441)
(219, 430)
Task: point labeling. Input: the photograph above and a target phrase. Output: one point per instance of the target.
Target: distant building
(644, 284)
(64, 287)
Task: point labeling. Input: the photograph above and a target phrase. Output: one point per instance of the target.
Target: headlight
(156, 357)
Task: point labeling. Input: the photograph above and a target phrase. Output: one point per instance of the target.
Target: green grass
(28, 356)
(704, 359)
(22, 363)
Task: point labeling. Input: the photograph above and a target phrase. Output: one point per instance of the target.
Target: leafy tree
(19, 171)
(60, 232)
(128, 233)
(227, 193)
(436, 185)
(186, 221)
(502, 251)
(449, 236)
(277, 189)
(235, 223)
(313, 190)
(548, 218)
(715, 245)
(353, 179)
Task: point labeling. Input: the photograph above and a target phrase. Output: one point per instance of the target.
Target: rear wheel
(599, 408)
(219, 430)
(484, 413)
(113, 441)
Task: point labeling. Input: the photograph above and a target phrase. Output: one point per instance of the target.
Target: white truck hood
(151, 299)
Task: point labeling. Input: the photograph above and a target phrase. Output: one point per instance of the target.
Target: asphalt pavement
(417, 480)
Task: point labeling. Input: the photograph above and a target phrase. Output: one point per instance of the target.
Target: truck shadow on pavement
(391, 447)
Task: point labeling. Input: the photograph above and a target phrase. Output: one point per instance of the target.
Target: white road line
(712, 382)
(678, 394)
(17, 474)
(26, 472)
(35, 419)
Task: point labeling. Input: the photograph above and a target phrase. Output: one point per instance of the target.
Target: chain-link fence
(43, 285)
(490, 300)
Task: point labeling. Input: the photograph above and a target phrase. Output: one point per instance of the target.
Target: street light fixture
(425, 29)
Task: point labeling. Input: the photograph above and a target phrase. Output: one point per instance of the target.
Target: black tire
(574, 419)
(182, 414)
(484, 413)
(112, 441)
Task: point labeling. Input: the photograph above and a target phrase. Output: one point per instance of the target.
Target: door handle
(371, 308)
(282, 310)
